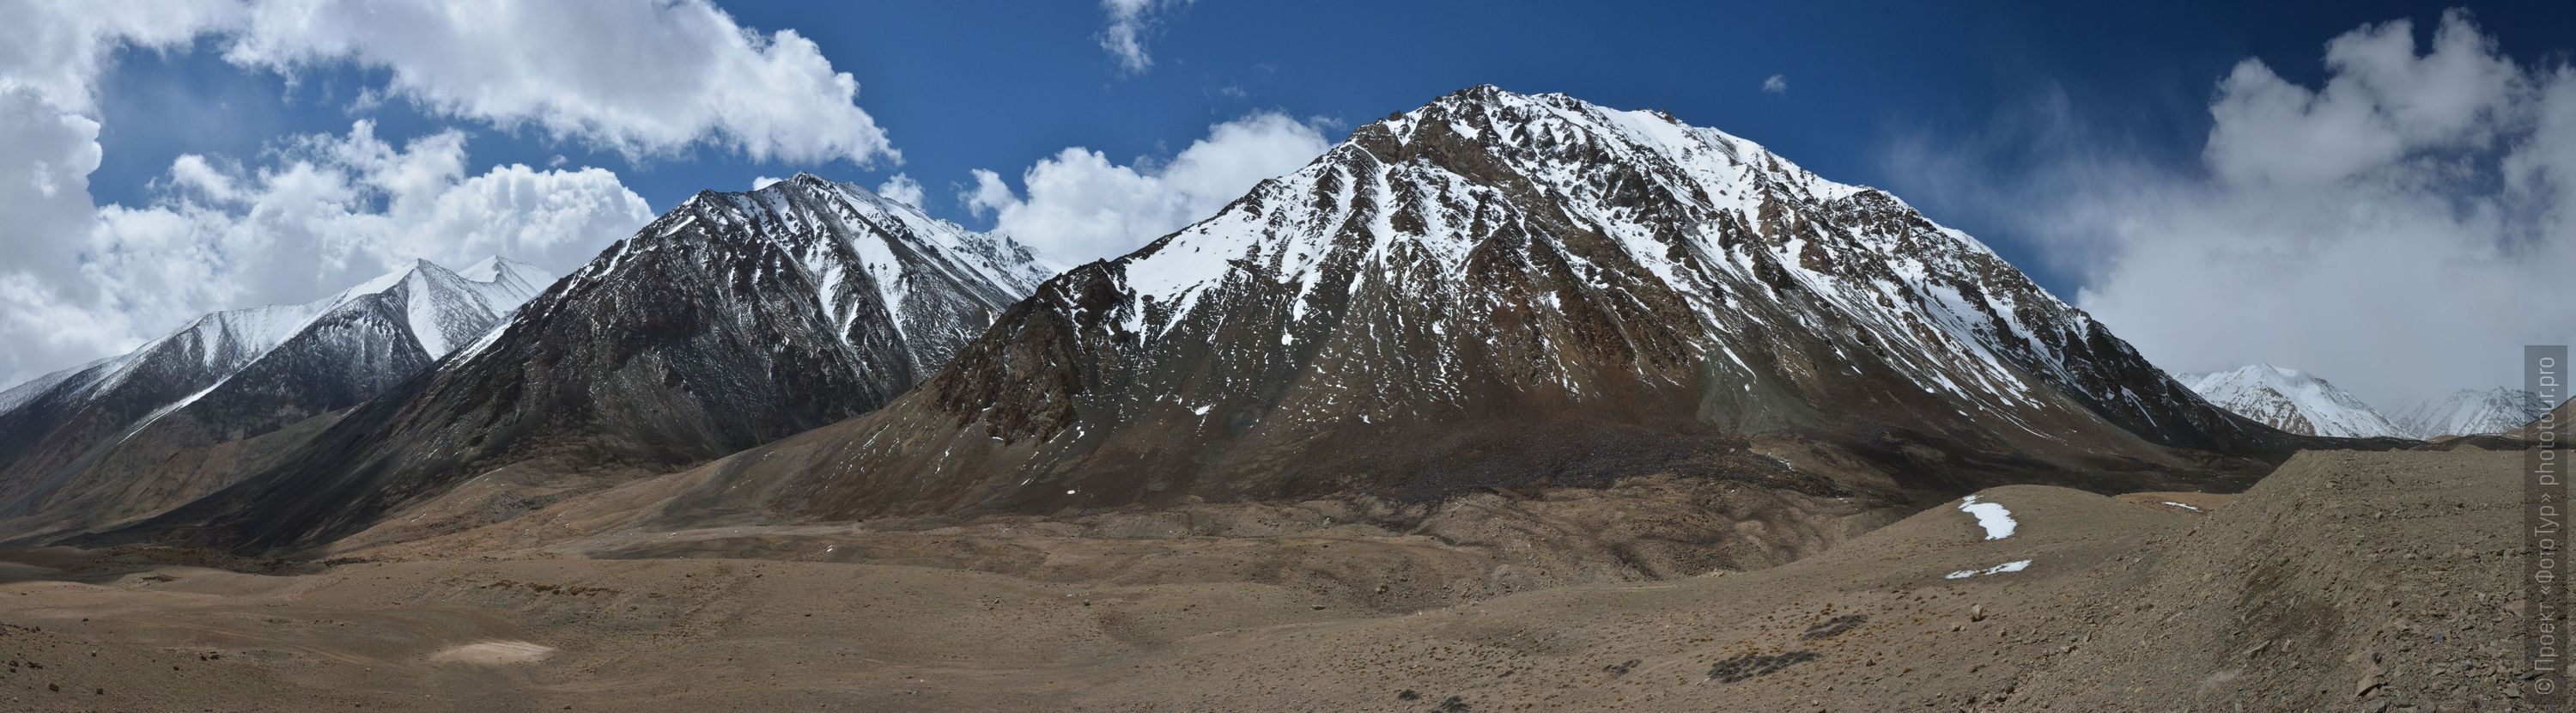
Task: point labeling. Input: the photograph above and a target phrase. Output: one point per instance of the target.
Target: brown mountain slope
(733, 320)
(1500, 290)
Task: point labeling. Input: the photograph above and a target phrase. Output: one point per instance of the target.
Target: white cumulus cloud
(644, 78)
(332, 210)
(316, 213)
(56, 49)
(2402, 228)
(1079, 206)
(902, 189)
(1130, 21)
(1776, 84)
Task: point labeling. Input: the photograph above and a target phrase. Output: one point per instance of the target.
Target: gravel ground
(2345, 581)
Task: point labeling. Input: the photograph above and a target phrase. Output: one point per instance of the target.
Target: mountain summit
(102, 442)
(733, 320)
(2293, 401)
(2469, 412)
(1500, 289)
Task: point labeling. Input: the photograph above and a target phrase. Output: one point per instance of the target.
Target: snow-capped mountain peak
(447, 308)
(1533, 271)
(1697, 214)
(858, 251)
(732, 320)
(2470, 412)
(498, 269)
(241, 373)
(992, 256)
(2294, 401)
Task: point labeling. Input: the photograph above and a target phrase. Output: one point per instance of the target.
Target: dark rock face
(48, 424)
(733, 320)
(136, 434)
(1497, 290)
(2552, 429)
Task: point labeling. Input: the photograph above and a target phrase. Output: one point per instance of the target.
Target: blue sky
(997, 85)
(2085, 141)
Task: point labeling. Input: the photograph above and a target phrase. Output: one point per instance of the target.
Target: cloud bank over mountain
(1078, 206)
(2404, 224)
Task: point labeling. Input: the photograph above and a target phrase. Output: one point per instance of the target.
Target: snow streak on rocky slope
(2293, 401)
(2469, 412)
(733, 320)
(1498, 289)
(238, 374)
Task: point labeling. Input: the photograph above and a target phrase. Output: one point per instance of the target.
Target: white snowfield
(1998, 521)
(2013, 566)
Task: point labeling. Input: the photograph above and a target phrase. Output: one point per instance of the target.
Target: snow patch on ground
(2180, 505)
(2013, 566)
(494, 653)
(1998, 521)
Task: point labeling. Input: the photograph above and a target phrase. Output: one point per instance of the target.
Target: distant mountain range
(1494, 291)
(2299, 402)
(1500, 290)
(125, 435)
(733, 320)
(2470, 412)
(2293, 401)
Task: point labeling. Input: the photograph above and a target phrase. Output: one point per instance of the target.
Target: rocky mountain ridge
(1500, 289)
(733, 320)
(90, 443)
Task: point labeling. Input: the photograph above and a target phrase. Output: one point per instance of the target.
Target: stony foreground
(2345, 581)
